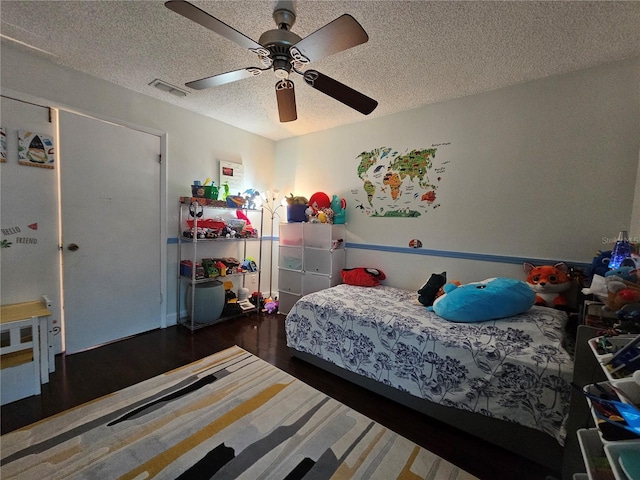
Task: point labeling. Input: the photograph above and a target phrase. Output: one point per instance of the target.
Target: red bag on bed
(362, 277)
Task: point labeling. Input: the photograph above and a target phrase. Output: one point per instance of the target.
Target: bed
(506, 381)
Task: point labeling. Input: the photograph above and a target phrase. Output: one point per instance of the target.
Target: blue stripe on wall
(482, 257)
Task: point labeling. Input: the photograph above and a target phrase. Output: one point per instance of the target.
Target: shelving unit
(310, 258)
(601, 456)
(203, 228)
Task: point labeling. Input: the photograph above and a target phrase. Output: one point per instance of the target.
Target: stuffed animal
(549, 283)
(599, 264)
(362, 277)
(429, 291)
(271, 306)
(490, 299)
(629, 274)
(620, 293)
(339, 207)
(318, 201)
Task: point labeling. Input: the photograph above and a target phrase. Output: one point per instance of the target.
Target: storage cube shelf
(310, 258)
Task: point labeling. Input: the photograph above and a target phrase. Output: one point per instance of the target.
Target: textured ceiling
(419, 52)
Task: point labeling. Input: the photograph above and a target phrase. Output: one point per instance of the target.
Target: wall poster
(233, 175)
(35, 149)
(396, 184)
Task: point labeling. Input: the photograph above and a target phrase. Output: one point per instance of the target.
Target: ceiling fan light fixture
(167, 87)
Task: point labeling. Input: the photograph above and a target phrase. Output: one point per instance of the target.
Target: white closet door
(110, 198)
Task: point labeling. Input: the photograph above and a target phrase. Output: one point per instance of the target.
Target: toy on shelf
(339, 207)
(296, 208)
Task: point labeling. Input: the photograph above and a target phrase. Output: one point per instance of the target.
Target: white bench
(24, 350)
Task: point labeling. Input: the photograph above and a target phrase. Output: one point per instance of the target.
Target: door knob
(73, 247)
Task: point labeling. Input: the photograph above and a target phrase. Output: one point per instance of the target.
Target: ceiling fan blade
(197, 15)
(286, 96)
(347, 95)
(343, 33)
(223, 78)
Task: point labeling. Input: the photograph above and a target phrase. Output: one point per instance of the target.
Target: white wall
(540, 170)
(195, 143)
(28, 217)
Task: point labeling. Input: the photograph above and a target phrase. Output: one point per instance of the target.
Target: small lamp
(621, 250)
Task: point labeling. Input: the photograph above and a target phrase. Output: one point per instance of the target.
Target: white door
(110, 203)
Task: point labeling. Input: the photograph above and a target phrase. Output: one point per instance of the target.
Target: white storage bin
(629, 451)
(290, 233)
(618, 342)
(314, 282)
(290, 281)
(290, 257)
(592, 450)
(630, 394)
(286, 302)
(324, 235)
(327, 262)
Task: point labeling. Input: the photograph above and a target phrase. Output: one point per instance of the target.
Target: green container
(211, 191)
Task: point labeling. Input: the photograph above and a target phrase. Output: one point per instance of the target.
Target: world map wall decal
(398, 184)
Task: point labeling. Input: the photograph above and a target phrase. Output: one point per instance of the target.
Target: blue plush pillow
(487, 300)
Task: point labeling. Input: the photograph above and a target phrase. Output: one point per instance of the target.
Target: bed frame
(526, 442)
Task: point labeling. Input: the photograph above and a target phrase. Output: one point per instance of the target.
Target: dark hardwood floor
(88, 375)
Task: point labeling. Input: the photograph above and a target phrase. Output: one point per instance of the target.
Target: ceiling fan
(283, 51)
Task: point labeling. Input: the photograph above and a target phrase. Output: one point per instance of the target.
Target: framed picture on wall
(35, 149)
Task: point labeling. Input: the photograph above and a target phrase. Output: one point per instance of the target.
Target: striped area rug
(230, 415)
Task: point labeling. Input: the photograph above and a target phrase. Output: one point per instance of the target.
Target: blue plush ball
(487, 300)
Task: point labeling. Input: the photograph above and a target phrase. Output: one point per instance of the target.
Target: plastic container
(290, 233)
(290, 257)
(595, 460)
(630, 452)
(296, 213)
(290, 281)
(326, 262)
(286, 301)
(313, 282)
(618, 342)
(630, 394)
(324, 235)
(198, 191)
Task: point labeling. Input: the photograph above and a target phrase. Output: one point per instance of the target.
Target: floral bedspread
(514, 369)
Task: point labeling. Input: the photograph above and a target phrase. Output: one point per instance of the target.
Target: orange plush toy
(549, 283)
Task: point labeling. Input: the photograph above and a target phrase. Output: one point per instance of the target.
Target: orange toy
(549, 283)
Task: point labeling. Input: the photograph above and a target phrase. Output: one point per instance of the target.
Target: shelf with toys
(219, 252)
(612, 448)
